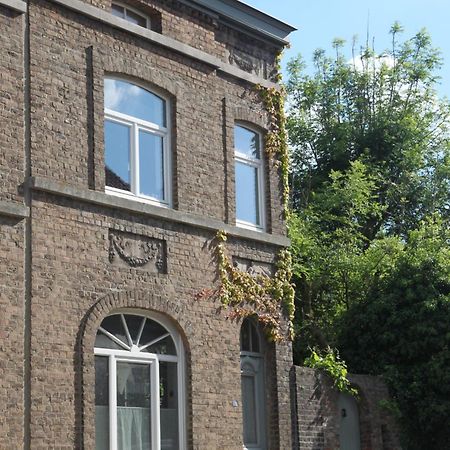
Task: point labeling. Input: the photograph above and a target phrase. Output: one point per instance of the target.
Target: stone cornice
(14, 209)
(16, 5)
(166, 214)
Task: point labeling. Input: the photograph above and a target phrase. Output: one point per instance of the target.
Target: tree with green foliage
(370, 178)
(401, 330)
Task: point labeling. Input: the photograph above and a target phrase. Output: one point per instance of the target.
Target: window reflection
(132, 100)
(248, 181)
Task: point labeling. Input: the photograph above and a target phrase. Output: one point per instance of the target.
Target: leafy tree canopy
(380, 110)
(370, 185)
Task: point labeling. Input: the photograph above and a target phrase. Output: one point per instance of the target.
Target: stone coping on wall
(170, 215)
(13, 209)
(16, 5)
(105, 17)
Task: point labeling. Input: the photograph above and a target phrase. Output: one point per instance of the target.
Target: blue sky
(320, 21)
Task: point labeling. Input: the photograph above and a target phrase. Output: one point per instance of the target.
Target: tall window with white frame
(252, 386)
(249, 178)
(137, 143)
(139, 390)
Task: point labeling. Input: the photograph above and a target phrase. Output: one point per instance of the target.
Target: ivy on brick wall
(276, 145)
(330, 362)
(270, 299)
(267, 298)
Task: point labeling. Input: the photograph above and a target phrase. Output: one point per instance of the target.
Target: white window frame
(133, 355)
(135, 126)
(126, 8)
(258, 164)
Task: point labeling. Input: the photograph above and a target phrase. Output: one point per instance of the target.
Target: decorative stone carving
(245, 61)
(254, 268)
(137, 251)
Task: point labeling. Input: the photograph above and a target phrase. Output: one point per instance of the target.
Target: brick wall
(12, 280)
(318, 415)
(57, 281)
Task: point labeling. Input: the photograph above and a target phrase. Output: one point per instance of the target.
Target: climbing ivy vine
(330, 362)
(267, 298)
(257, 296)
(276, 145)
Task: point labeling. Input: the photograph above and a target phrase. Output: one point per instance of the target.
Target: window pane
(151, 165)
(133, 406)
(118, 11)
(153, 330)
(255, 338)
(249, 410)
(169, 405)
(136, 18)
(127, 98)
(247, 204)
(134, 325)
(247, 142)
(101, 403)
(165, 346)
(114, 325)
(245, 336)
(117, 155)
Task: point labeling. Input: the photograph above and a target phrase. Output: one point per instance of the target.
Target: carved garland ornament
(136, 251)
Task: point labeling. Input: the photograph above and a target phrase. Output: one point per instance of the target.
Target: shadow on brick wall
(321, 414)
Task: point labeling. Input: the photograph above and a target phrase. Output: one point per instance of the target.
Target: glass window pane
(249, 410)
(165, 346)
(118, 11)
(127, 98)
(117, 155)
(134, 325)
(169, 405)
(247, 142)
(245, 336)
(153, 330)
(247, 195)
(136, 18)
(114, 325)
(151, 165)
(255, 338)
(101, 403)
(133, 406)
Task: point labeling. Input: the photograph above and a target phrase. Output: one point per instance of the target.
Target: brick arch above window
(140, 300)
(258, 120)
(108, 63)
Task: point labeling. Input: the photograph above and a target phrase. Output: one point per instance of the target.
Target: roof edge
(247, 16)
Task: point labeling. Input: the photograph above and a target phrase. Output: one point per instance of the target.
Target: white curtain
(133, 428)
(101, 427)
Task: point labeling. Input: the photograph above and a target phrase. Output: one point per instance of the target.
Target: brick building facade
(108, 209)
(131, 132)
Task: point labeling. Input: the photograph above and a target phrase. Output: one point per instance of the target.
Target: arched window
(139, 384)
(137, 155)
(252, 386)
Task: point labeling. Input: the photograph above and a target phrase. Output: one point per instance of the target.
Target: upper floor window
(137, 156)
(130, 15)
(249, 178)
